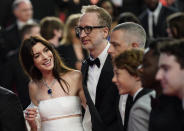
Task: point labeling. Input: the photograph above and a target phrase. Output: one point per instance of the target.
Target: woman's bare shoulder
(33, 86)
(33, 89)
(74, 74)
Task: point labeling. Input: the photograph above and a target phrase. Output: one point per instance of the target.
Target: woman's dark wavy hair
(26, 60)
(130, 60)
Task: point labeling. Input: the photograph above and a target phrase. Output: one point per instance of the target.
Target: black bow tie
(92, 62)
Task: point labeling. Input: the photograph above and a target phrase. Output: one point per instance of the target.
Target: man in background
(22, 9)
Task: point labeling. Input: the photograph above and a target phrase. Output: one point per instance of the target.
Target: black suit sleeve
(11, 113)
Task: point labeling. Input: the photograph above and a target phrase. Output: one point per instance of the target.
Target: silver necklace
(49, 91)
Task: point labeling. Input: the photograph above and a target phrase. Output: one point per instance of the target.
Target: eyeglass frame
(78, 29)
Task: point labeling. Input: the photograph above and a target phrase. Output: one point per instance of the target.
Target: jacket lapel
(142, 93)
(106, 75)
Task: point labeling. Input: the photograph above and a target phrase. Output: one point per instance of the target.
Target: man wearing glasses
(102, 96)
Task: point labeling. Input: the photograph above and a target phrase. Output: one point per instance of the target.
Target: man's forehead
(88, 18)
(88, 15)
(167, 56)
(167, 59)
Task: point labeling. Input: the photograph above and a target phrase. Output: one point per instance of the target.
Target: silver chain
(49, 87)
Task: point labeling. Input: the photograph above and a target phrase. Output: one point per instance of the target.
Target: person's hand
(30, 116)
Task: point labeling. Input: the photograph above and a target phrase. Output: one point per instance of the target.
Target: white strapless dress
(54, 112)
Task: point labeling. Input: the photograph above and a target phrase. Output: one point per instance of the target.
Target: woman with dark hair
(54, 88)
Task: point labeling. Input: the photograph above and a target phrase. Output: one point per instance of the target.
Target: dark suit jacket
(166, 114)
(105, 115)
(68, 55)
(11, 113)
(12, 41)
(161, 25)
(6, 13)
(13, 78)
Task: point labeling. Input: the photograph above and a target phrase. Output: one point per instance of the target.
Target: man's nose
(82, 34)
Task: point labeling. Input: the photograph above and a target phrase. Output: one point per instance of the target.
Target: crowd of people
(102, 68)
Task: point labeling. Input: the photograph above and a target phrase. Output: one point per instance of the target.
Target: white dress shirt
(20, 24)
(94, 74)
(122, 104)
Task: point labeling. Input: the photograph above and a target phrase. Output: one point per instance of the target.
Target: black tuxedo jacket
(167, 114)
(161, 24)
(11, 113)
(105, 114)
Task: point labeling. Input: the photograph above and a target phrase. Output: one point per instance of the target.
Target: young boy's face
(170, 75)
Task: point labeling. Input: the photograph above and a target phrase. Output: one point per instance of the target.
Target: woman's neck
(48, 77)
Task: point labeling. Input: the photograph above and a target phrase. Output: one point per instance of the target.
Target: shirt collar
(103, 54)
(20, 24)
(137, 93)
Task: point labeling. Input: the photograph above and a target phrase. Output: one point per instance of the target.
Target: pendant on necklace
(49, 91)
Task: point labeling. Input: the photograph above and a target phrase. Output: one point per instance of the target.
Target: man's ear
(137, 78)
(135, 45)
(106, 32)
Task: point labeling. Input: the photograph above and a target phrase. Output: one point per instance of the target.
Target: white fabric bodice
(57, 108)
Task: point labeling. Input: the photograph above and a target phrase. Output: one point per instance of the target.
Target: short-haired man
(101, 94)
(171, 68)
(170, 74)
(153, 18)
(126, 36)
(22, 9)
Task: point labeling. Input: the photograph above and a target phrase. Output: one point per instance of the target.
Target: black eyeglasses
(87, 29)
